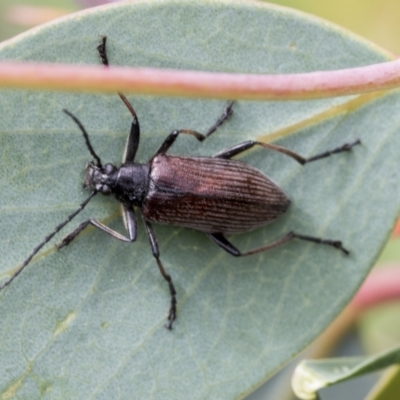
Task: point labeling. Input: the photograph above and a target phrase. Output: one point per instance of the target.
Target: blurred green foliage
(8, 28)
(376, 20)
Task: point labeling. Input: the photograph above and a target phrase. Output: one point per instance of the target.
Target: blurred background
(371, 323)
(376, 20)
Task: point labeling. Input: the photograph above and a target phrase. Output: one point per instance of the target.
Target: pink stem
(165, 82)
(382, 285)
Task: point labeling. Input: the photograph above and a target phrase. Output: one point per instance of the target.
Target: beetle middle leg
(239, 148)
(129, 221)
(72, 235)
(168, 142)
(221, 241)
(156, 253)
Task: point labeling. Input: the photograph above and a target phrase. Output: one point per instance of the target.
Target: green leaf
(387, 387)
(313, 375)
(88, 321)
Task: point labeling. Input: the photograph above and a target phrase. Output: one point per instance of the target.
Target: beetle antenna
(86, 137)
(47, 239)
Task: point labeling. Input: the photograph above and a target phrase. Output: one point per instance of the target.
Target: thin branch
(164, 82)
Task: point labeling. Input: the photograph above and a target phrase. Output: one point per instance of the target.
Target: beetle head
(100, 178)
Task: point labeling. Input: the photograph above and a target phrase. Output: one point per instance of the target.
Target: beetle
(215, 195)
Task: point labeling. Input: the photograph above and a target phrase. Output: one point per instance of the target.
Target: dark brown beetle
(214, 195)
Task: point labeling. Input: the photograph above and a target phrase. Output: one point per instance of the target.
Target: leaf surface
(87, 321)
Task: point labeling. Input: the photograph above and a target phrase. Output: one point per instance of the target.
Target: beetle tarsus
(171, 313)
(340, 149)
(64, 242)
(337, 244)
(228, 111)
(101, 48)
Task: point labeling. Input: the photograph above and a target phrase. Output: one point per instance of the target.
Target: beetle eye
(109, 169)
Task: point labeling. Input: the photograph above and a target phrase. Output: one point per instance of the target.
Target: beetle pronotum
(215, 195)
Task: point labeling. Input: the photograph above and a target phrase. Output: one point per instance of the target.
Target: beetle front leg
(71, 236)
(154, 248)
(132, 143)
(168, 142)
(224, 116)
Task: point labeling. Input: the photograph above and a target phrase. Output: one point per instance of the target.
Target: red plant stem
(382, 285)
(200, 84)
(396, 231)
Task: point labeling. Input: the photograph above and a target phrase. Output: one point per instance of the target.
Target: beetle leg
(167, 277)
(71, 236)
(132, 143)
(168, 142)
(239, 148)
(224, 116)
(101, 49)
(340, 149)
(221, 241)
(129, 217)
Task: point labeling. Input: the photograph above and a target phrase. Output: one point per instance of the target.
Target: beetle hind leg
(221, 241)
(172, 310)
(340, 149)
